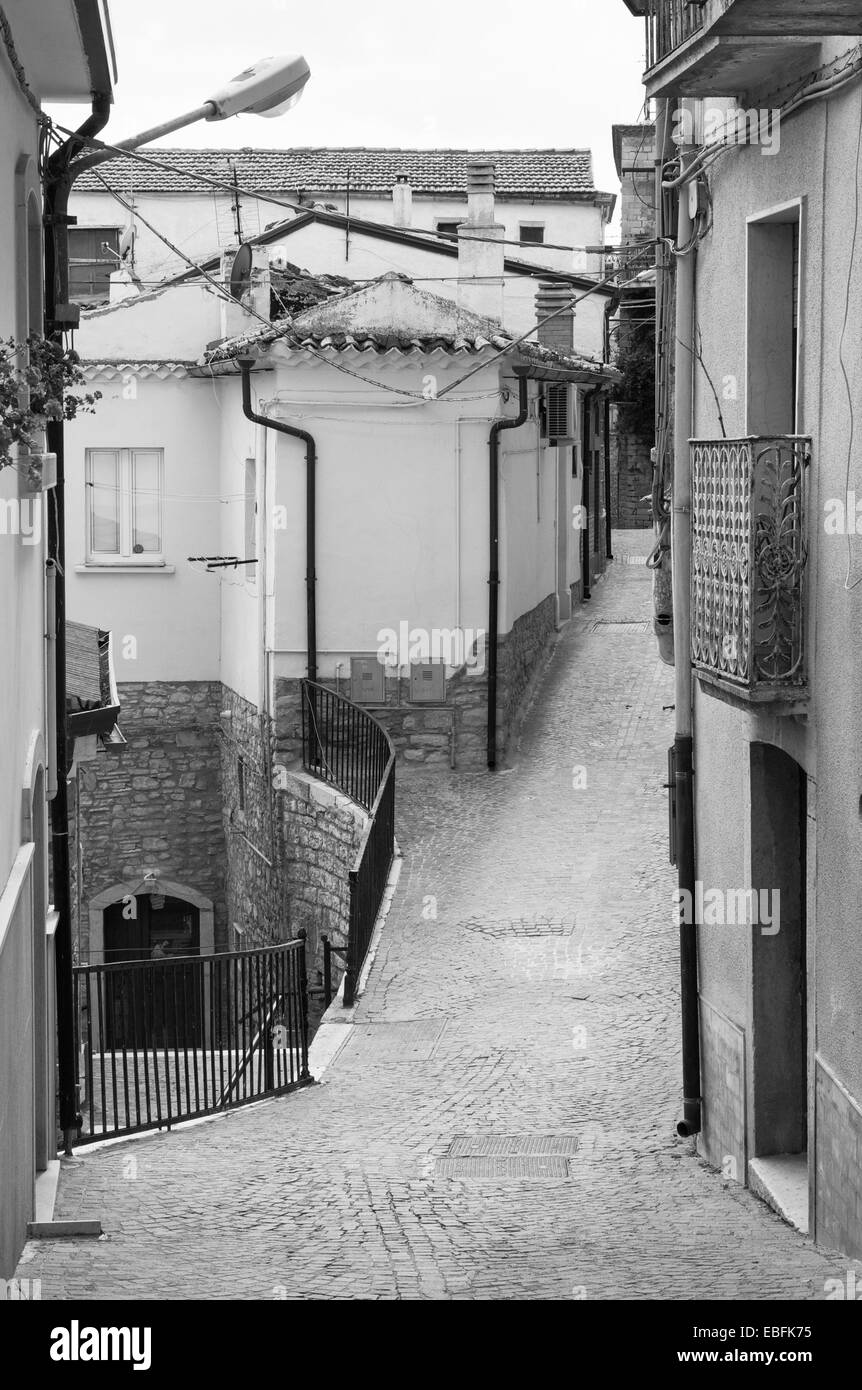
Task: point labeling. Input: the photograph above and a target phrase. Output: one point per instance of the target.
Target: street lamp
(267, 88)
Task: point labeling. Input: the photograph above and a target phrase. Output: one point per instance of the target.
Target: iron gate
(159, 1041)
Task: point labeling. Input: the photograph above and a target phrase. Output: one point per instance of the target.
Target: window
(450, 227)
(533, 232)
(91, 262)
(250, 527)
(124, 506)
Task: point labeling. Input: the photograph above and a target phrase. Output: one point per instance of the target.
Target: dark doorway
(152, 1007)
(779, 955)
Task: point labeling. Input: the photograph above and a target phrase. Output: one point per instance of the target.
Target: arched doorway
(146, 1007)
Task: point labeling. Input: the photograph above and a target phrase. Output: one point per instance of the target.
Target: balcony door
(774, 282)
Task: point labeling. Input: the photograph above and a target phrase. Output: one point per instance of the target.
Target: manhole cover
(409, 1041)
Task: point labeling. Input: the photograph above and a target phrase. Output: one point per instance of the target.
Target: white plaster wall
(398, 540)
(820, 141)
(173, 617)
(200, 224)
(240, 591)
(22, 651)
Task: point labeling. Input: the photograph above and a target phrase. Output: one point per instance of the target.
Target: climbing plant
(38, 381)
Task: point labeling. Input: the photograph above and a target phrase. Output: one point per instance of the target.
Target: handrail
(346, 747)
(669, 24)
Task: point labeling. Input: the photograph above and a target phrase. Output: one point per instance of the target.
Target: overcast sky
(454, 73)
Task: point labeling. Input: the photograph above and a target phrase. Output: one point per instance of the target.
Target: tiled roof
(519, 173)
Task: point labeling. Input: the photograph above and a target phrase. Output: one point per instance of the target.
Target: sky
(456, 73)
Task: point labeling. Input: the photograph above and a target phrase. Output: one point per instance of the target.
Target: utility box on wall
(427, 683)
(367, 680)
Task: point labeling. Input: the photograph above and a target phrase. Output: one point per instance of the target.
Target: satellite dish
(240, 272)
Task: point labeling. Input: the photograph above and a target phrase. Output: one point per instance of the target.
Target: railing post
(327, 971)
(352, 942)
(302, 935)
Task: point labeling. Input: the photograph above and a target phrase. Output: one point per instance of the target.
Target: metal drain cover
(408, 1041)
(508, 1156)
(619, 626)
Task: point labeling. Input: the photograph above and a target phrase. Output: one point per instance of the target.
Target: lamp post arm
(200, 113)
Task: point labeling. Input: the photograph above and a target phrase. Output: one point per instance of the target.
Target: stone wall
(436, 735)
(252, 828)
(155, 802)
(631, 480)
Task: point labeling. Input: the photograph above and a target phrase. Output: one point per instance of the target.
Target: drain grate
(408, 1041)
(527, 1167)
(508, 1156)
(619, 626)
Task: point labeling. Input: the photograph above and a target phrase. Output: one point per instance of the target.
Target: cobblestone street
(525, 986)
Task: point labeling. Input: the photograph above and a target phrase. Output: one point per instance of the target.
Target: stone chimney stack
(559, 334)
(480, 246)
(402, 201)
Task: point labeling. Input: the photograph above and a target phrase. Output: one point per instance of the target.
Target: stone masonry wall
(253, 833)
(424, 735)
(155, 802)
(722, 1140)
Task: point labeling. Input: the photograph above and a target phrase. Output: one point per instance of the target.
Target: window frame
(94, 262)
(531, 227)
(125, 557)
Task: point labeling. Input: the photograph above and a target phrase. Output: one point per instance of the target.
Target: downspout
(683, 749)
(268, 423)
(494, 575)
(609, 548)
(58, 181)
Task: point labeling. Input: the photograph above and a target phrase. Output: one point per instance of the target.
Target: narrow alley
(500, 1121)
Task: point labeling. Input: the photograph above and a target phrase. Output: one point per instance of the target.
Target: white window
(124, 506)
(250, 518)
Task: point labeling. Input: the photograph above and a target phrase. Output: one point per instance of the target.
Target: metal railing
(160, 1041)
(345, 746)
(668, 24)
(749, 557)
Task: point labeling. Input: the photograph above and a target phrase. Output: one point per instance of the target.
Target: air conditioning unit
(559, 413)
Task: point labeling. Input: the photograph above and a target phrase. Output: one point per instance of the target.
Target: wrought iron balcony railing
(749, 556)
(669, 24)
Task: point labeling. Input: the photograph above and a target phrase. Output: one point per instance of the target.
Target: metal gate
(159, 1041)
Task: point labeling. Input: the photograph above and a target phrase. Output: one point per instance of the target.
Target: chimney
(251, 291)
(480, 246)
(402, 201)
(559, 334)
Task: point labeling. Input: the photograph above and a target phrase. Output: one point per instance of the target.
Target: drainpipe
(494, 575)
(245, 365)
(683, 749)
(58, 180)
(609, 546)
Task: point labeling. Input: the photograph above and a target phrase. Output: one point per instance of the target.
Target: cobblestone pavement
(540, 1003)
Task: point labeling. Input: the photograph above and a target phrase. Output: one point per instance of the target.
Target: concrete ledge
(60, 1230)
(781, 1180)
(46, 1192)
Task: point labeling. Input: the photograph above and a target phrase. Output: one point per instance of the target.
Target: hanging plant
(37, 384)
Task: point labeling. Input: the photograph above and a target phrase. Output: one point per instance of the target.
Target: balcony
(725, 48)
(749, 556)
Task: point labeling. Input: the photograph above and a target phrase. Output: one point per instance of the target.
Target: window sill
(125, 569)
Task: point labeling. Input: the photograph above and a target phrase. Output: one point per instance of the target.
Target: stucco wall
(816, 164)
(202, 223)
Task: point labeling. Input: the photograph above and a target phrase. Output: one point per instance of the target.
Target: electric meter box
(367, 680)
(427, 683)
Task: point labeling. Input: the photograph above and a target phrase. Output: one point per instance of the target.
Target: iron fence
(346, 747)
(160, 1041)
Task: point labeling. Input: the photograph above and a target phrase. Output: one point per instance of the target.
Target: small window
(450, 227)
(534, 233)
(94, 252)
(250, 539)
(124, 506)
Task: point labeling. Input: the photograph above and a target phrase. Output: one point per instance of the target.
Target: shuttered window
(93, 255)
